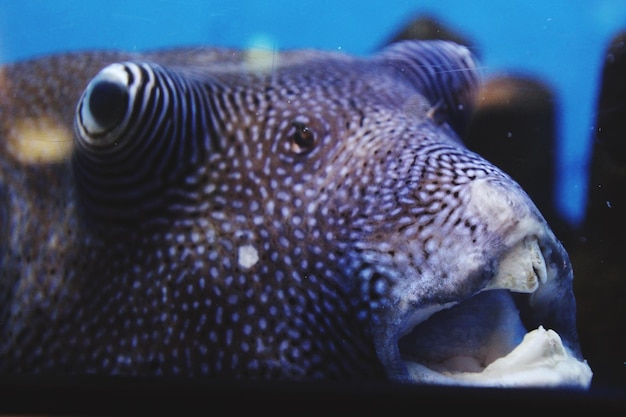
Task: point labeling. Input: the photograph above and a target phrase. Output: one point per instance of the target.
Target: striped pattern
(126, 170)
(444, 72)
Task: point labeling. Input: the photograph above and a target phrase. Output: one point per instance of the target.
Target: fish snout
(530, 259)
(508, 316)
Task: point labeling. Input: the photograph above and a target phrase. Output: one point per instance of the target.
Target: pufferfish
(299, 215)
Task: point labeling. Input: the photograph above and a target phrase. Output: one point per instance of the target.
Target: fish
(271, 215)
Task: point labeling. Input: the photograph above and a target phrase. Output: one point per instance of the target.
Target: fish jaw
(540, 360)
(510, 321)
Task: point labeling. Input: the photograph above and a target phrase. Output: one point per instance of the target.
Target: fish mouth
(506, 334)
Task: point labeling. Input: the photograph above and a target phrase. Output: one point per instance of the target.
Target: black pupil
(303, 136)
(108, 103)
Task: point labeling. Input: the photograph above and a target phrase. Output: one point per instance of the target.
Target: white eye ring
(114, 75)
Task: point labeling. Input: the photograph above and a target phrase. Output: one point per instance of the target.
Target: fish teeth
(522, 269)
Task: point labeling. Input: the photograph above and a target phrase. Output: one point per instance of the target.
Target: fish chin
(487, 340)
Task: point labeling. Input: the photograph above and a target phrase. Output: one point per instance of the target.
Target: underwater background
(556, 47)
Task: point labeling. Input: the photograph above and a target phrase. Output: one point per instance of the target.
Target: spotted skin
(276, 240)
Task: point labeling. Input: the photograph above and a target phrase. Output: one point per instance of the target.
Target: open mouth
(496, 337)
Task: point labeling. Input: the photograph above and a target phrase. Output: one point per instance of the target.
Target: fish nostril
(108, 102)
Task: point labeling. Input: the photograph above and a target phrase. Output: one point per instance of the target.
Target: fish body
(298, 215)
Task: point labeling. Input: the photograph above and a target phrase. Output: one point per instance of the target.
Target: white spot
(213, 336)
(247, 256)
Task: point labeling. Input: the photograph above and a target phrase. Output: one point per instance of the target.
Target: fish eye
(302, 138)
(139, 130)
(104, 105)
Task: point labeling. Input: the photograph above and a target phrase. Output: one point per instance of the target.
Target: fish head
(296, 215)
(466, 282)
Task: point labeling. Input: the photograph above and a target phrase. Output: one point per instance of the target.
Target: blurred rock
(599, 260)
(605, 220)
(428, 28)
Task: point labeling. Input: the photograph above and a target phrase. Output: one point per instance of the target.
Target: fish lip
(534, 297)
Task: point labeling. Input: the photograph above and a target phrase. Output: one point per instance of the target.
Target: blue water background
(560, 42)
